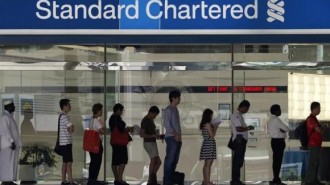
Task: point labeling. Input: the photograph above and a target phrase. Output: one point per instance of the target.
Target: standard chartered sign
(164, 17)
(47, 9)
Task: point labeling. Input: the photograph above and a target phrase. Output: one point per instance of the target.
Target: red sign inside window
(246, 89)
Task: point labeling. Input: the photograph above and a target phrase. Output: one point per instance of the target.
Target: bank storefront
(133, 52)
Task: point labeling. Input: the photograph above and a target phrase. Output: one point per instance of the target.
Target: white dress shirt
(237, 120)
(274, 126)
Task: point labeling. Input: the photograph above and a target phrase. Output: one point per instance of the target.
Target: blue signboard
(164, 16)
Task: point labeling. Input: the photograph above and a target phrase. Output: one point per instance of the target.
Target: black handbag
(231, 143)
(57, 148)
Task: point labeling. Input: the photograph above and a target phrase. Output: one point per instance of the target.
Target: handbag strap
(58, 127)
(91, 124)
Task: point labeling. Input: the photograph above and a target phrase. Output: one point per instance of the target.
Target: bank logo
(275, 10)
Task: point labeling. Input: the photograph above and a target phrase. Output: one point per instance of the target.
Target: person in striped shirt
(66, 129)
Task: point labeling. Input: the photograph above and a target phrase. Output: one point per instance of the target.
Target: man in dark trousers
(314, 132)
(277, 132)
(240, 137)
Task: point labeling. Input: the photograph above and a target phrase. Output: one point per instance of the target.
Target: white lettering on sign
(154, 9)
(48, 10)
(214, 11)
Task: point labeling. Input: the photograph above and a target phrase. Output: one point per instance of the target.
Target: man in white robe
(9, 145)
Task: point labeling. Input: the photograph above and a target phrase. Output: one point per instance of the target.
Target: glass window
(139, 76)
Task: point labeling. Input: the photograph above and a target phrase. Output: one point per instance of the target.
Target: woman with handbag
(119, 140)
(96, 158)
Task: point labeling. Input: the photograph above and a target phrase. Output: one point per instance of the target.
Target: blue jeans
(173, 149)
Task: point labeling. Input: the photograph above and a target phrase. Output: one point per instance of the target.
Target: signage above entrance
(164, 17)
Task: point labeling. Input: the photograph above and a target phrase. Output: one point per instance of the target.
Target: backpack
(301, 133)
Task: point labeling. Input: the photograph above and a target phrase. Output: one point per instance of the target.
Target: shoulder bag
(91, 141)
(57, 148)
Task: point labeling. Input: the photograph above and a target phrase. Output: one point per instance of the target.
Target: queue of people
(120, 137)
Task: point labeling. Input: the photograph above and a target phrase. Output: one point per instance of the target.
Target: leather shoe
(10, 183)
(276, 183)
(116, 182)
(319, 183)
(92, 182)
(237, 183)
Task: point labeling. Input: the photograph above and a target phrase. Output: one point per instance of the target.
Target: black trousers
(313, 165)
(278, 146)
(95, 164)
(239, 148)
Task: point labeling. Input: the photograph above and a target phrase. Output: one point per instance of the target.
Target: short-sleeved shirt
(116, 121)
(315, 139)
(274, 127)
(237, 120)
(65, 137)
(96, 125)
(149, 127)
